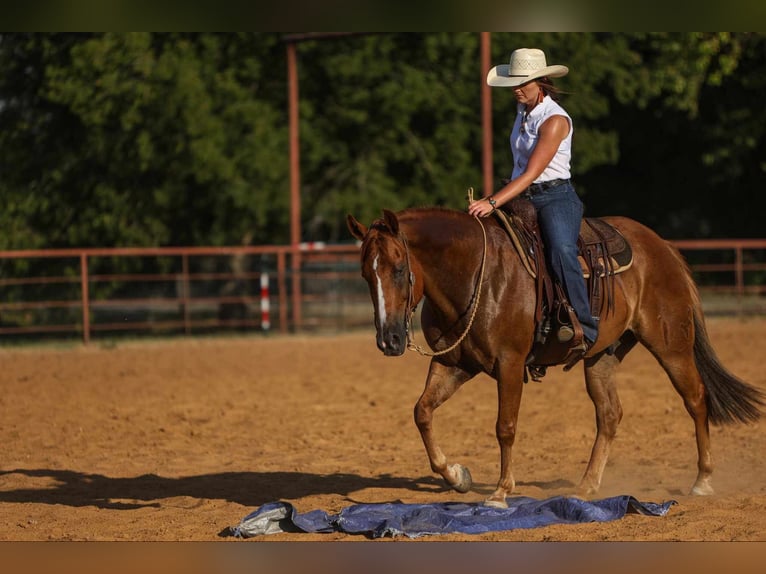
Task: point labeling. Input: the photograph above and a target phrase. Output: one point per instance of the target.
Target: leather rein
(412, 306)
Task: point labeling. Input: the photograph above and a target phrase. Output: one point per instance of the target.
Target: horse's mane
(428, 208)
(413, 215)
(420, 212)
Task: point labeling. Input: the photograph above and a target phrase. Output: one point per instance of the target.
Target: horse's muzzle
(392, 340)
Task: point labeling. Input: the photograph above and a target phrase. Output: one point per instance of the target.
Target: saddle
(603, 253)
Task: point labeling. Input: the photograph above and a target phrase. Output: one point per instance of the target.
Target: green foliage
(181, 139)
(151, 140)
(388, 121)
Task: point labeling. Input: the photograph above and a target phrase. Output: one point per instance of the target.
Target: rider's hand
(481, 208)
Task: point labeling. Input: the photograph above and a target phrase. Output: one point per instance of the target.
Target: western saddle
(603, 253)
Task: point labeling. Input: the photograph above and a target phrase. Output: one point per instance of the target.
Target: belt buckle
(556, 182)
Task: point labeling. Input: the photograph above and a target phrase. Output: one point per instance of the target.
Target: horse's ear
(357, 229)
(391, 221)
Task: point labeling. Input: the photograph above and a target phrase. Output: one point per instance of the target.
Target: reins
(410, 336)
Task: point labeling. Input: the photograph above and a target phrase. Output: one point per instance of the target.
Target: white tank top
(523, 141)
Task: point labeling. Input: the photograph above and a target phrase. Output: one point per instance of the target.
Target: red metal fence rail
(177, 308)
(749, 257)
(84, 292)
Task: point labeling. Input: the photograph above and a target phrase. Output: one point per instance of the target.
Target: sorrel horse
(479, 305)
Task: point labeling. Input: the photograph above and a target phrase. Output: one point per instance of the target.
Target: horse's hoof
(465, 481)
(585, 491)
(702, 489)
(495, 503)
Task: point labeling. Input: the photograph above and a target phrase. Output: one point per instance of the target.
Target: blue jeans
(559, 212)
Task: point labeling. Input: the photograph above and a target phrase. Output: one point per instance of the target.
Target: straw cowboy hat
(527, 64)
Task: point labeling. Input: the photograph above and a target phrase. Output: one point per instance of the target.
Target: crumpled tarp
(413, 520)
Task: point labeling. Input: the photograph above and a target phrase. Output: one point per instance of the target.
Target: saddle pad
(594, 231)
(614, 269)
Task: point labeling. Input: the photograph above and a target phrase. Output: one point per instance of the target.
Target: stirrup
(537, 372)
(565, 333)
(578, 352)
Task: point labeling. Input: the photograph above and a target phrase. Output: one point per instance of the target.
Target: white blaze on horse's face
(386, 274)
(381, 298)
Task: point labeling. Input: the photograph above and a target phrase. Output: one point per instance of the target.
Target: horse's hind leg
(599, 381)
(441, 384)
(687, 381)
(674, 349)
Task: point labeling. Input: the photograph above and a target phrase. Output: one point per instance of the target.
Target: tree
(181, 139)
(689, 129)
(387, 121)
(144, 139)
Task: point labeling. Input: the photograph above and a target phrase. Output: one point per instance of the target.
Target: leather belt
(541, 186)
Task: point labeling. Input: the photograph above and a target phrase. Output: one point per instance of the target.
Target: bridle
(411, 305)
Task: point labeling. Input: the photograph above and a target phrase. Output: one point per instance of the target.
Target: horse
(478, 317)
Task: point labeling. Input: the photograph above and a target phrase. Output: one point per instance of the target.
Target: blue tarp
(413, 520)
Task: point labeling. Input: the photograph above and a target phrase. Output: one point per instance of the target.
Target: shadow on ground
(79, 489)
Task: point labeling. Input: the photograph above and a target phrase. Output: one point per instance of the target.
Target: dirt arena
(180, 439)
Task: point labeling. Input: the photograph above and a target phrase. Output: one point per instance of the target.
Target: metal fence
(92, 292)
(100, 293)
(730, 273)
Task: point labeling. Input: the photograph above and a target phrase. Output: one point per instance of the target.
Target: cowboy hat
(526, 64)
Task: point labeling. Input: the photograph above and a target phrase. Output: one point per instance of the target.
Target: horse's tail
(729, 399)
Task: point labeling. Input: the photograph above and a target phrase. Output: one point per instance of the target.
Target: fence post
(186, 292)
(282, 288)
(739, 270)
(84, 281)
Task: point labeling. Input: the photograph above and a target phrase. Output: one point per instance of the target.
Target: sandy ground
(178, 440)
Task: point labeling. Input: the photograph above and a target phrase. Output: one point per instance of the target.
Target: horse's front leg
(510, 382)
(441, 384)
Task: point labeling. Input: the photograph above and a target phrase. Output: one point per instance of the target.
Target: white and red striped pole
(265, 308)
(312, 245)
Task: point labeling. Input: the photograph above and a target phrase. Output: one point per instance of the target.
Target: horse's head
(388, 270)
